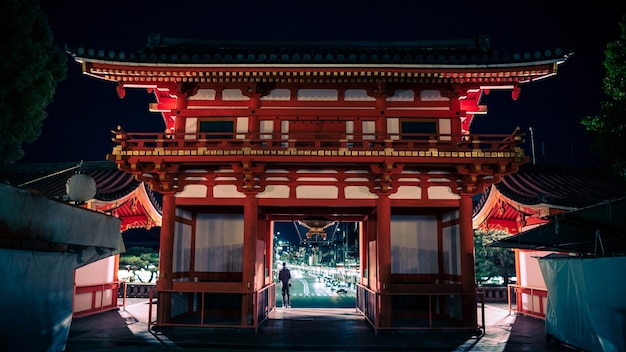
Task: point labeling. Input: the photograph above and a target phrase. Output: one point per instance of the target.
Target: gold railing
(486, 145)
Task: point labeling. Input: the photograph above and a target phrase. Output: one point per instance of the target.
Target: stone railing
(135, 290)
(494, 294)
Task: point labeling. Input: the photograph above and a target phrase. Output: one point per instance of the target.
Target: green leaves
(31, 66)
(608, 129)
(492, 261)
(140, 258)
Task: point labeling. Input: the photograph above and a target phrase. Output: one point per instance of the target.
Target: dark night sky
(85, 110)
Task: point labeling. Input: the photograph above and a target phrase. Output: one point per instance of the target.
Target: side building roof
(529, 196)
(117, 193)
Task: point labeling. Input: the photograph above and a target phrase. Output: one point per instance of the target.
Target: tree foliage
(138, 258)
(492, 261)
(608, 128)
(31, 66)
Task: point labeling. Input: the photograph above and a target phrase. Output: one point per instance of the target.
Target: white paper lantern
(80, 187)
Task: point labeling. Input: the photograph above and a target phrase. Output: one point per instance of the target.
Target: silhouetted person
(284, 276)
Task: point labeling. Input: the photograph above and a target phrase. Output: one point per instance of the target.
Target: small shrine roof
(565, 188)
(50, 178)
(530, 195)
(463, 52)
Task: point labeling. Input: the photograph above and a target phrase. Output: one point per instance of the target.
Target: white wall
(219, 242)
(414, 244)
(99, 272)
(530, 271)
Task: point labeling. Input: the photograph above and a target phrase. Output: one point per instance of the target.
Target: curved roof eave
(556, 61)
(148, 204)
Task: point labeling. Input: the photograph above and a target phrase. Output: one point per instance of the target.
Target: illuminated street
(310, 291)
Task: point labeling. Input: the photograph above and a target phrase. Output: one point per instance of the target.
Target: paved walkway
(302, 330)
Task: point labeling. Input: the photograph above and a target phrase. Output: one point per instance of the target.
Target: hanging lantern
(317, 226)
(80, 187)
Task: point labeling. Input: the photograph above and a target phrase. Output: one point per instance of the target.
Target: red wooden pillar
(455, 124)
(383, 253)
(520, 281)
(363, 245)
(468, 274)
(179, 123)
(250, 234)
(116, 278)
(372, 262)
(166, 255)
(269, 250)
(381, 129)
(253, 127)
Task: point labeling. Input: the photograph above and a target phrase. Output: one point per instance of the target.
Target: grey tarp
(42, 241)
(598, 230)
(586, 307)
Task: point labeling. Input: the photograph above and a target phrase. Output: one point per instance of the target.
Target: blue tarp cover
(586, 306)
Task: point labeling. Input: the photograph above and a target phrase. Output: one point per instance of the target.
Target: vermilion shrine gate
(373, 132)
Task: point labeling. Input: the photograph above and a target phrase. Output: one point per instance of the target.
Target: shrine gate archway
(409, 273)
(258, 130)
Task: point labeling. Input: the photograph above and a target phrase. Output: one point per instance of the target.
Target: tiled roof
(565, 188)
(475, 51)
(527, 197)
(50, 178)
